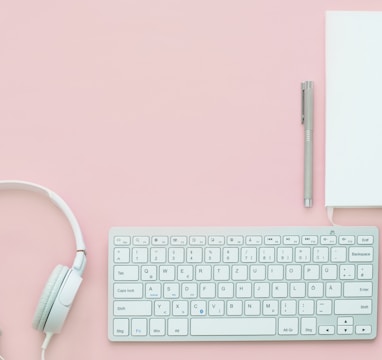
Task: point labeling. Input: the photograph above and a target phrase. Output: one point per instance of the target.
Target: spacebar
(233, 326)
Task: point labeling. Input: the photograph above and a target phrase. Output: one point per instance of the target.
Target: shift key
(349, 307)
(131, 308)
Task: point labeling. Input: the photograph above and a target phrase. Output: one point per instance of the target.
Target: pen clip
(302, 102)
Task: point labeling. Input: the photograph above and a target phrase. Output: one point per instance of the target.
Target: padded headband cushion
(48, 296)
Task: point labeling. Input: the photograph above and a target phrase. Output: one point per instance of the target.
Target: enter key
(358, 289)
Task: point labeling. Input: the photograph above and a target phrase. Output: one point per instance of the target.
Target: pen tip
(308, 203)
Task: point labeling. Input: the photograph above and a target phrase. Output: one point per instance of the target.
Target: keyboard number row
(245, 254)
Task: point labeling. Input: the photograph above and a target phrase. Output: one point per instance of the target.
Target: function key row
(200, 240)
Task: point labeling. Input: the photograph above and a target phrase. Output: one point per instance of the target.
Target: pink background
(154, 113)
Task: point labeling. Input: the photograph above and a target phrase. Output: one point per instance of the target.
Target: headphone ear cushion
(48, 296)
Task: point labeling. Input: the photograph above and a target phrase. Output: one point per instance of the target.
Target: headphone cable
(45, 344)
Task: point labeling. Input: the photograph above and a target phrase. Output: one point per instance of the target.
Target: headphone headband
(80, 259)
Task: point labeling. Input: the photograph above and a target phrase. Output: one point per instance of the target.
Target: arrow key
(326, 330)
(363, 329)
(345, 321)
(345, 330)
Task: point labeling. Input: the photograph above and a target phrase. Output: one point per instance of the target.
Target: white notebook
(353, 109)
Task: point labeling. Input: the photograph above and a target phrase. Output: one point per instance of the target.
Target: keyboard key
(248, 255)
(272, 240)
(324, 307)
(153, 291)
(128, 291)
(203, 272)
(230, 255)
(315, 290)
(297, 290)
(122, 240)
(347, 272)
(293, 272)
(333, 289)
(261, 290)
(347, 240)
(252, 308)
(309, 240)
(141, 240)
(329, 272)
(326, 330)
(349, 307)
(345, 330)
(162, 307)
(132, 308)
(122, 255)
(194, 255)
(158, 255)
(358, 289)
(157, 327)
(179, 240)
(257, 272)
(291, 240)
(328, 240)
(180, 308)
(212, 255)
(234, 326)
(138, 327)
(126, 273)
(216, 240)
(198, 308)
(207, 290)
(176, 255)
(302, 254)
(159, 240)
(235, 240)
(361, 254)
(363, 329)
(140, 255)
(365, 272)
(267, 255)
(177, 327)
(253, 240)
(338, 254)
(216, 308)
(306, 307)
(121, 327)
(365, 240)
(288, 326)
(345, 320)
(288, 307)
(308, 326)
(284, 254)
(197, 240)
(221, 272)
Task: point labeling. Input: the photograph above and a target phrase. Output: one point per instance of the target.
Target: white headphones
(64, 282)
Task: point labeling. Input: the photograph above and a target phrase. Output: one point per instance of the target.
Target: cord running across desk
(242, 283)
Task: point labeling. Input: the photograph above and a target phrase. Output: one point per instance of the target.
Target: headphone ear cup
(49, 296)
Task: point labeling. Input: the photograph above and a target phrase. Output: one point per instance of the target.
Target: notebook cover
(353, 175)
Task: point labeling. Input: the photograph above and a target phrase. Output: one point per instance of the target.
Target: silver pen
(307, 120)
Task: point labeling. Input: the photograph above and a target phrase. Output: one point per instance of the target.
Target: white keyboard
(242, 283)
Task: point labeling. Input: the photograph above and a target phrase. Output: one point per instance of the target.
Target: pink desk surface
(154, 113)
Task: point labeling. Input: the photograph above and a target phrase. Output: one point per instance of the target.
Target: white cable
(330, 213)
(1, 358)
(45, 344)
